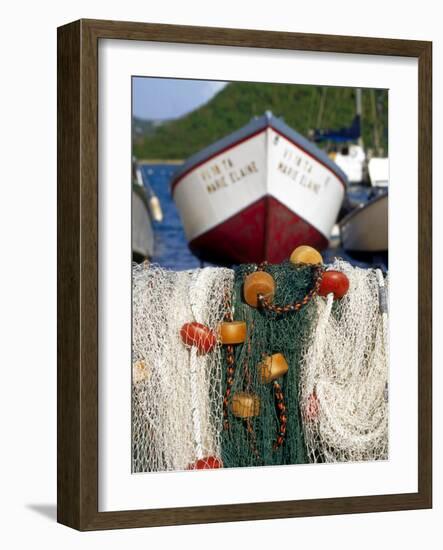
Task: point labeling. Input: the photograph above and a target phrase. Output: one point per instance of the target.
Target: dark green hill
(302, 107)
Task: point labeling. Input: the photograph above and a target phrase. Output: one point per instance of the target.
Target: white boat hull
(365, 229)
(261, 192)
(379, 171)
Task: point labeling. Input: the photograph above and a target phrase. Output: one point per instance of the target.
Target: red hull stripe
(240, 212)
(246, 138)
(265, 230)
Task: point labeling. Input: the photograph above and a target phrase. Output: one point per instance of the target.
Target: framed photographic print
(244, 274)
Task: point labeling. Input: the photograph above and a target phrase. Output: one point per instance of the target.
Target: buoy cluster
(259, 290)
(259, 287)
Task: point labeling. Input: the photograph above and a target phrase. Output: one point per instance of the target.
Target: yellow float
(245, 405)
(306, 255)
(140, 372)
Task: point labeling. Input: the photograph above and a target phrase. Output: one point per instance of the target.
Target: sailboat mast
(358, 111)
(375, 124)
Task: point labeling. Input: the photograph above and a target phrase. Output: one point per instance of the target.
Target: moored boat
(258, 193)
(378, 168)
(365, 229)
(145, 209)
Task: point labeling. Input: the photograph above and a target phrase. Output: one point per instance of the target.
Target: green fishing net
(250, 442)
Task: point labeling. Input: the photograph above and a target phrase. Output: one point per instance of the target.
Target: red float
(335, 282)
(198, 335)
(207, 463)
(312, 407)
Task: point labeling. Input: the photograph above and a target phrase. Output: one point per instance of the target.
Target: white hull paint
(142, 232)
(266, 164)
(352, 163)
(379, 171)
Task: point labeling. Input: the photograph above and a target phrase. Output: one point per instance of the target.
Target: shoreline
(161, 161)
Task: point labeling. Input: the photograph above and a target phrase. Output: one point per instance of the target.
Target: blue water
(171, 248)
(170, 245)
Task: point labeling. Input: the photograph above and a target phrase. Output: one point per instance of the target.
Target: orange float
(245, 405)
(272, 367)
(257, 283)
(232, 332)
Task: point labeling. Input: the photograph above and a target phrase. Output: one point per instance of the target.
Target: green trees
(302, 107)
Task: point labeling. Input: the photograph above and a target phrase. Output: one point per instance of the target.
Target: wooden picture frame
(78, 244)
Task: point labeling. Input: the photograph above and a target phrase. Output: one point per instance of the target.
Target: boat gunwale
(142, 194)
(254, 128)
(361, 207)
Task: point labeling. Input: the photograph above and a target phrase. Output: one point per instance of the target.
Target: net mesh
(251, 442)
(177, 395)
(331, 404)
(344, 372)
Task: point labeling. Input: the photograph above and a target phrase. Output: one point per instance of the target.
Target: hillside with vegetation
(302, 107)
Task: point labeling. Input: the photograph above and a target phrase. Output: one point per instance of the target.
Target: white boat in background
(257, 194)
(365, 229)
(351, 159)
(378, 168)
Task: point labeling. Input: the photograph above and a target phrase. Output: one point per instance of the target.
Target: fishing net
(212, 405)
(177, 397)
(344, 372)
(252, 441)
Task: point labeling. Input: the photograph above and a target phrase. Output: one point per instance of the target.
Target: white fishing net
(177, 394)
(344, 375)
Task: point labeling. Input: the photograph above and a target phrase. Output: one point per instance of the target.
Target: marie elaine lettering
(298, 167)
(224, 173)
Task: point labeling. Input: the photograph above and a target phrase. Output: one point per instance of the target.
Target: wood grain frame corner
(77, 316)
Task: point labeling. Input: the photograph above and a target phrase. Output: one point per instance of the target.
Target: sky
(163, 98)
